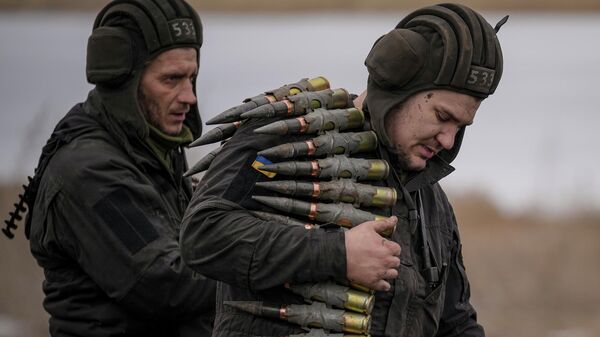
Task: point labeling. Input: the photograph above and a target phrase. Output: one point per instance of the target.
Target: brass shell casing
(360, 287)
(356, 323)
(335, 295)
(339, 99)
(378, 169)
(359, 301)
(368, 141)
(318, 83)
(356, 118)
(384, 197)
(388, 232)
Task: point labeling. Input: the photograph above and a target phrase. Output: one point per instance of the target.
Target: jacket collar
(437, 168)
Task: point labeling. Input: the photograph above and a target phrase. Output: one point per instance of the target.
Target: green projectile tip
(261, 111)
(277, 186)
(232, 114)
(203, 140)
(201, 166)
(276, 128)
(281, 204)
(280, 151)
(267, 111)
(217, 134)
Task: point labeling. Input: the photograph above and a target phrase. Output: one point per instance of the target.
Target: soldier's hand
(371, 259)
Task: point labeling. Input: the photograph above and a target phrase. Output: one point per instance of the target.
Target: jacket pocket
(433, 306)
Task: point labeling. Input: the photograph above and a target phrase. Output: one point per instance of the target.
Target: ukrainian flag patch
(260, 161)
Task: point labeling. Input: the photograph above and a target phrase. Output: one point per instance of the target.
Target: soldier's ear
(110, 56)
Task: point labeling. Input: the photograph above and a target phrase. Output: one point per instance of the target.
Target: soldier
(108, 195)
(427, 78)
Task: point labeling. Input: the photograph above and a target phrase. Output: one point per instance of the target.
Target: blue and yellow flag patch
(260, 161)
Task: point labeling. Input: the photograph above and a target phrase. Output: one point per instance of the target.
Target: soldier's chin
(407, 162)
(412, 164)
(172, 129)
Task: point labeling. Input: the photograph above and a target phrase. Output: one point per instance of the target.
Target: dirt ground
(530, 276)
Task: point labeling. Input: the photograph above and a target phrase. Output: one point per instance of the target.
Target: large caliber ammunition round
(233, 114)
(356, 323)
(304, 85)
(286, 220)
(362, 288)
(217, 134)
(384, 197)
(317, 121)
(388, 232)
(355, 117)
(343, 190)
(342, 214)
(313, 84)
(378, 169)
(318, 83)
(328, 144)
(335, 295)
(359, 301)
(339, 99)
(367, 142)
(204, 163)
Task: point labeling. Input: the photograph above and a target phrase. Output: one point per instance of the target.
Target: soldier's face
(427, 123)
(166, 89)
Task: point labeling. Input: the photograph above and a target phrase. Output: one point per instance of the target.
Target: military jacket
(105, 228)
(253, 258)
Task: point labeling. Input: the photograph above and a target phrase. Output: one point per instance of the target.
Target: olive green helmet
(446, 46)
(163, 25)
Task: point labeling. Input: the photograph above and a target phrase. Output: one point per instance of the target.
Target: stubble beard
(150, 109)
(402, 160)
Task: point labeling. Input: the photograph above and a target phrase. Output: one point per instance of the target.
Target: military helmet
(446, 46)
(127, 33)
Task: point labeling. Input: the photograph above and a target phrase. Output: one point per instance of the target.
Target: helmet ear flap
(396, 58)
(110, 56)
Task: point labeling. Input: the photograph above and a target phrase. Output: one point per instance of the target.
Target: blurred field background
(316, 5)
(534, 268)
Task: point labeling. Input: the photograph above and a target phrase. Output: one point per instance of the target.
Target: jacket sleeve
(113, 223)
(222, 240)
(459, 318)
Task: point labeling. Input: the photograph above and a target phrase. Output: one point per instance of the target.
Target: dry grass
(529, 277)
(532, 277)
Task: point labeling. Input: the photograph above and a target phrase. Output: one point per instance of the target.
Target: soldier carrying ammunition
(265, 220)
(356, 304)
